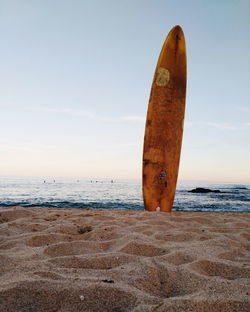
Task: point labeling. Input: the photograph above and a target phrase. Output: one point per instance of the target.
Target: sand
(64, 260)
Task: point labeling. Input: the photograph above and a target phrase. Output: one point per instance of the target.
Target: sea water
(117, 194)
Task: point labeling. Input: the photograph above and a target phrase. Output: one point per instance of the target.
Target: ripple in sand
(164, 283)
(178, 258)
(46, 239)
(76, 248)
(210, 268)
(48, 275)
(103, 234)
(245, 236)
(13, 214)
(95, 262)
(9, 244)
(178, 237)
(37, 296)
(234, 255)
(202, 305)
(135, 248)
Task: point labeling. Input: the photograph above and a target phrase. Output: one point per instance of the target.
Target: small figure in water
(44, 181)
(112, 181)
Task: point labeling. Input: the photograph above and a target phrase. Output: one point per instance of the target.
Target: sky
(75, 78)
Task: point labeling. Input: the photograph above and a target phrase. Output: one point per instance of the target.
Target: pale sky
(75, 78)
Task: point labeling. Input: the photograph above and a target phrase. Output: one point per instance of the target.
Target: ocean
(117, 194)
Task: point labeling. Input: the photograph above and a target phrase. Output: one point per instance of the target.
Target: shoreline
(71, 259)
(81, 207)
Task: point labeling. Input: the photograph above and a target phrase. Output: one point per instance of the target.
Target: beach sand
(63, 260)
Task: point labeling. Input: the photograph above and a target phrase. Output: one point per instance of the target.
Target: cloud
(243, 108)
(130, 144)
(141, 119)
(223, 126)
(134, 118)
(188, 124)
(72, 112)
(90, 115)
(16, 148)
(219, 125)
(25, 147)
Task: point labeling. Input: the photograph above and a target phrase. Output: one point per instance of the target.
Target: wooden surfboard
(164, 124)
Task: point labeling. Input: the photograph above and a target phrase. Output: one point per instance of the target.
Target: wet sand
(70, 260)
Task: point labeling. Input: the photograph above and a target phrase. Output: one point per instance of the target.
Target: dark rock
(108, 281)
(241, 188)
(86, 229)
(204, 190)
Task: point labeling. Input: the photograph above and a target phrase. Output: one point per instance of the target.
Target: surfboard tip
(177, 27)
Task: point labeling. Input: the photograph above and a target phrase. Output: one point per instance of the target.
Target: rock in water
(204, 190)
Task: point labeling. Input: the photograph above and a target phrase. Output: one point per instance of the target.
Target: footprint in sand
(245, 236)
(177, 258)
(76, 248)
(142, 250)
(104, 234)
(234, 255)
(176, 237)
(94, 262)
(49, 275)
(46, 239)
(210, 268)
(41, 295)
(159, 281)
(12, 214)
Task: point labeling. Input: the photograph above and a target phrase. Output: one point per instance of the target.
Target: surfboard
(164, 124)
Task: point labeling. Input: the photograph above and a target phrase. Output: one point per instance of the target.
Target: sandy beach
(65, 260)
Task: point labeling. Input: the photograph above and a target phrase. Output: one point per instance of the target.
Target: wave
(69, 204)
(119, 195)
(125, 205)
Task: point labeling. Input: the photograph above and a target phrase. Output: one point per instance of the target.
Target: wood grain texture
(164, 124)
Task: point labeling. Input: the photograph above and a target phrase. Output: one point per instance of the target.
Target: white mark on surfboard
(163, 77)
(158, 209)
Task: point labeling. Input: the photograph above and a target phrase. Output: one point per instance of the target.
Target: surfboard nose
(177, 39)
(177, 28)
(177, 31)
